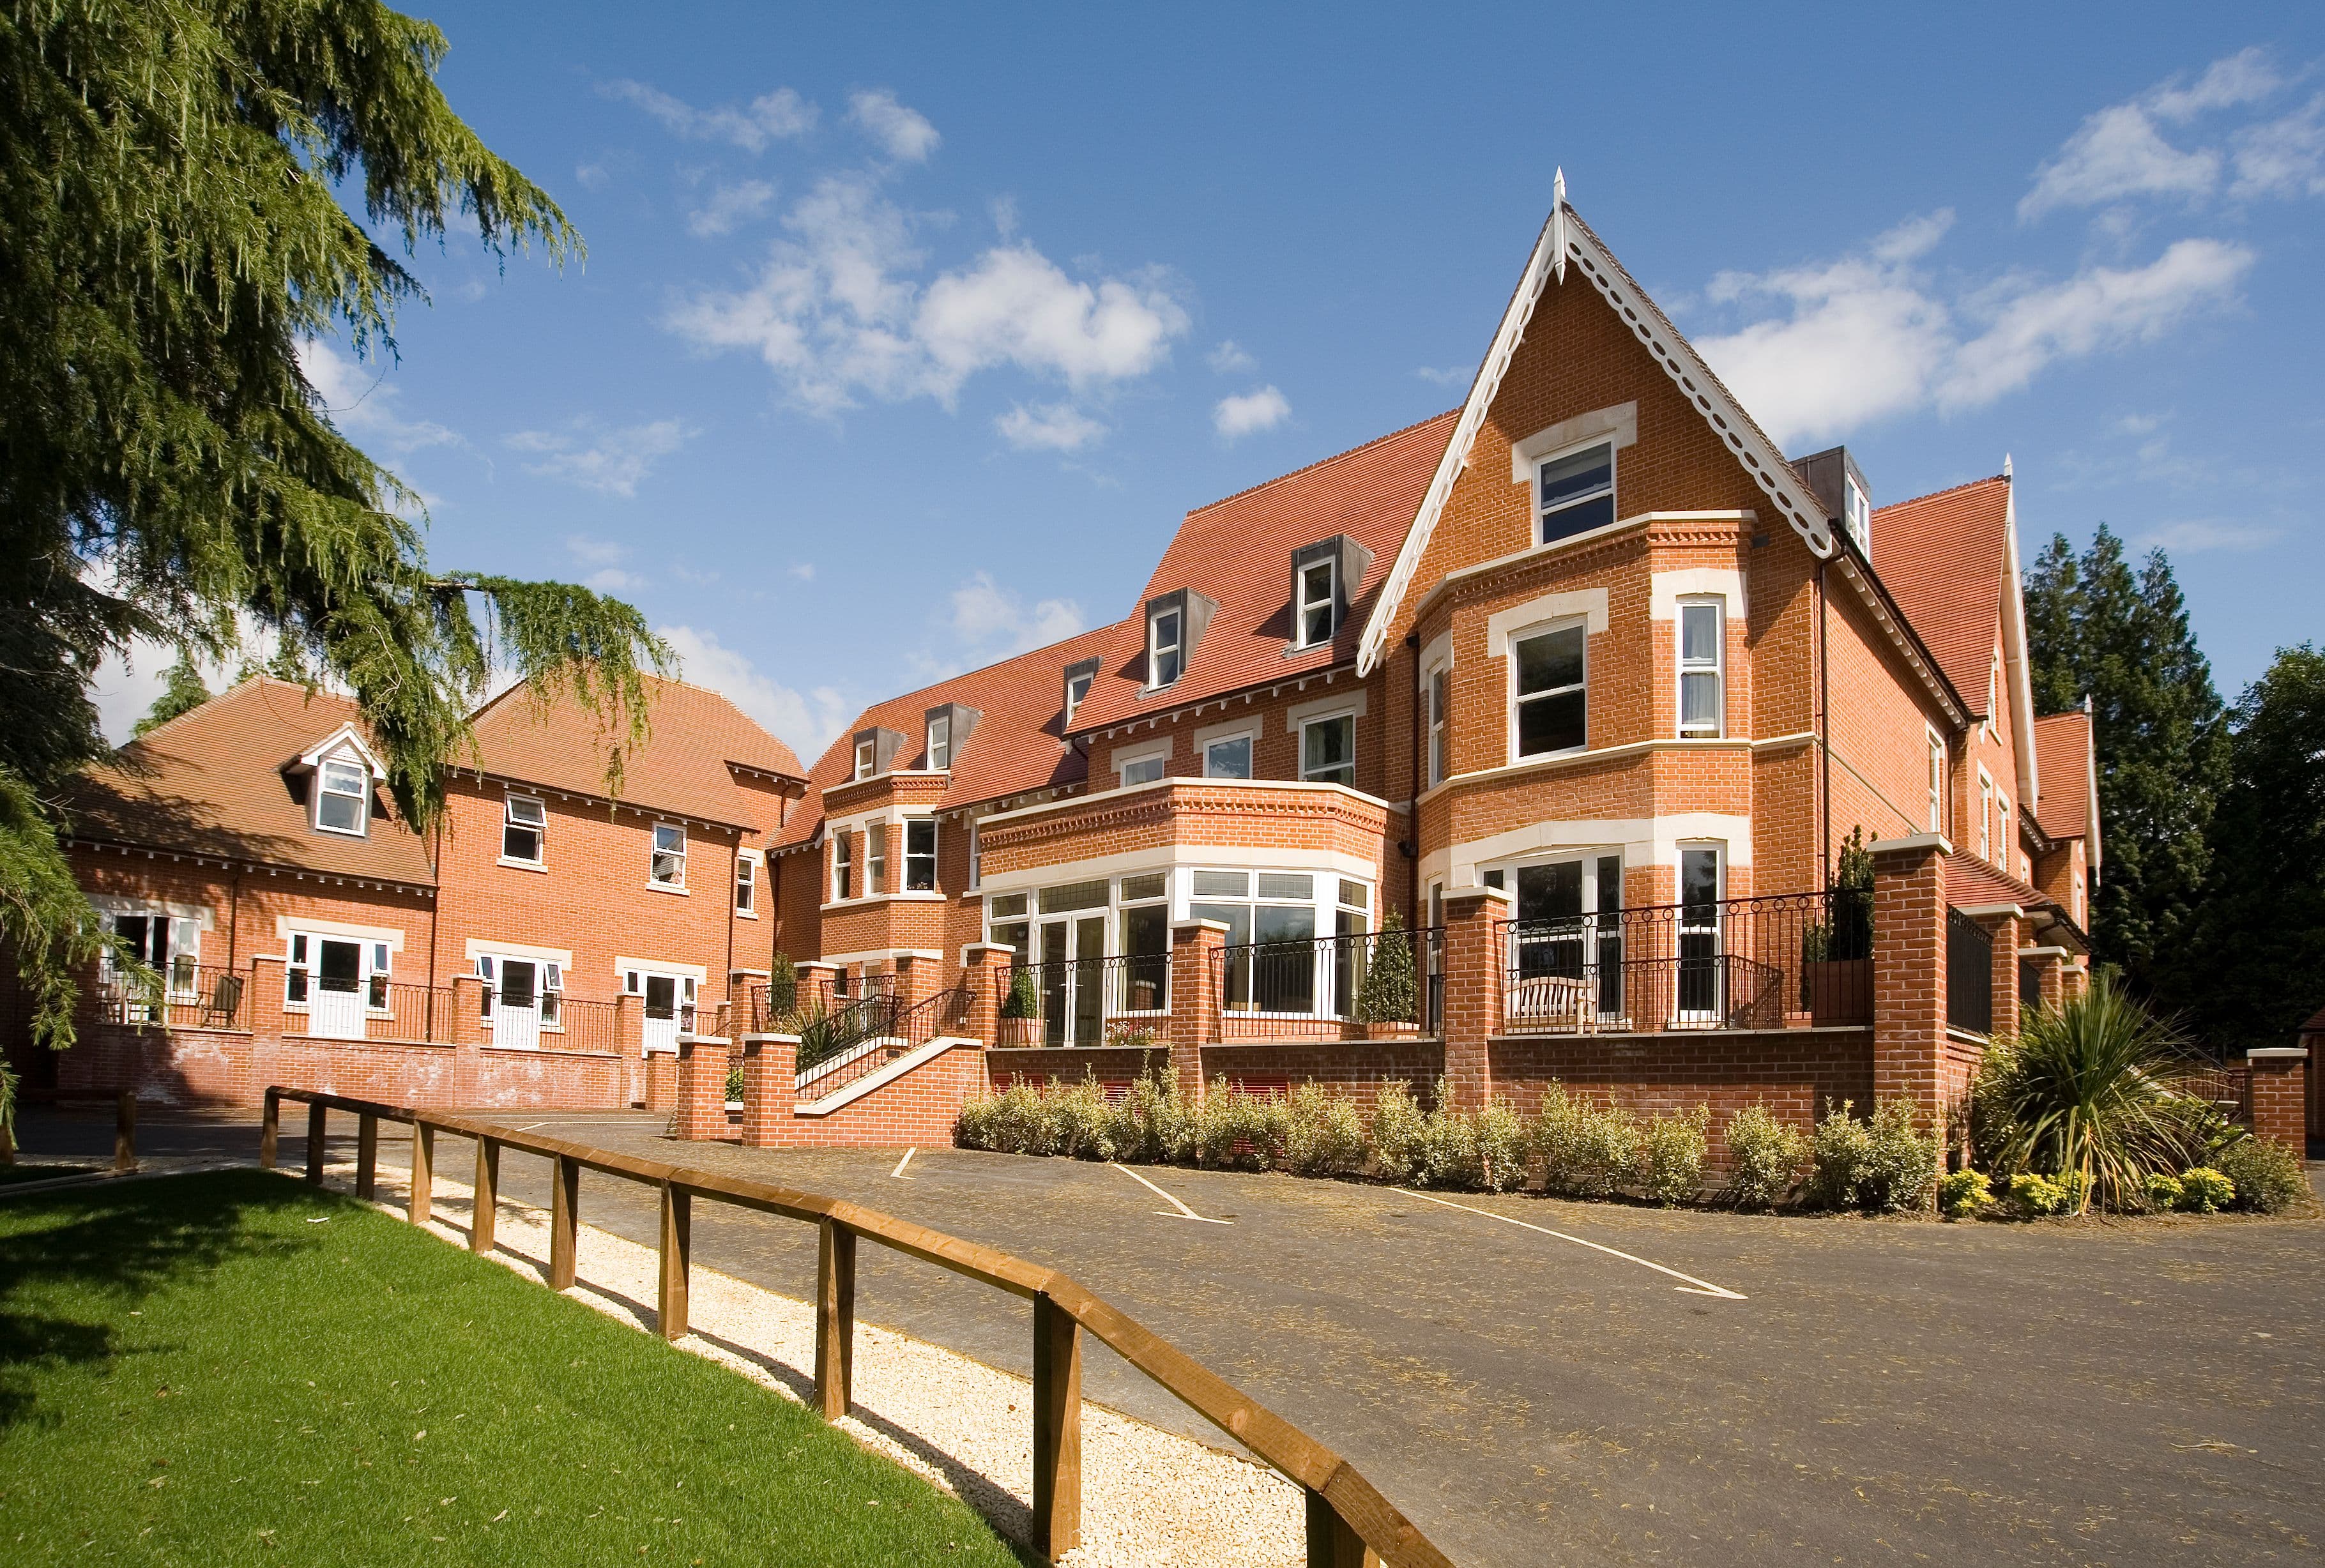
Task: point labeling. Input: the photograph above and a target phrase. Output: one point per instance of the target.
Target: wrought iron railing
(181, 994)
(1786, 961)
(1970, 974)
(905, 1030)
(1078, 1001)
(815, 991)
(1363, 985)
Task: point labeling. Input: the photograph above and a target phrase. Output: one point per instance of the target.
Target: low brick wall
(185, 1067)
(1358, 1066)
(917, 1108)
(1115, 1066)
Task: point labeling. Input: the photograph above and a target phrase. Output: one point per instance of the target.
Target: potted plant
(1021, 1010)
(782, 989)
(1388, 994)
(1837, 952)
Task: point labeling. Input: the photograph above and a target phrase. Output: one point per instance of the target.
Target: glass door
(516, 1013)
(1057, 939)
(1089, 979)
(1073, 981)
(1702, 972)
(335, 1007)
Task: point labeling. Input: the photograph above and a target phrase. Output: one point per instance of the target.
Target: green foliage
(782, 986)
(1849, 933)
(2097, 628)
(1023, 1000)
(1398, 1127)
(1586, 1150)
(182, 692)
(1081, 1121)
(1389, 992)
(1880, 1165)
(2203, 1190)
(2164, 1192)
(171, 178)
(1237, 1129)
(2267, 1176)
(734, 1081)
(1672, 1152)
(1961, 1193)
(1324, 1135)
(1766, 1158)
(2096, 1086)
(1152, 1124)
(1498, 1137)
(2039, 1195)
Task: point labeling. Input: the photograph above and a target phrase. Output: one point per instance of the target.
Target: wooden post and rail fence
(1349, 1524)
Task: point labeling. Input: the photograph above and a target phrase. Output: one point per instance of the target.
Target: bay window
(1702, 631)
(875, 859)
(920, 855)
(1327, 750)
(843, 865)
(1550, 706)
(1437, 725)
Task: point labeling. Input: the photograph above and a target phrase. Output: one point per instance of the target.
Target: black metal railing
(1970, 974)
(1079, 1001)
(1779, 962)
(817, 992)
(1376, 984)
(906, 1030)
(181, 994)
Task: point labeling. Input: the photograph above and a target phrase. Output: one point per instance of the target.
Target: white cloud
(770, 117)
(904, 135)
(1230, 357)
(1450, 375)
(2284, 157)
(1055, 427)
(2119, 151)
(614, 461)
(363, 405)
(614, 579)
(836, 313)
(803, 569)
(2205, 533)
(994, 620)
(1250, 412)
(808, 721)
(592, 176)
(1869, 335)
(728, 206)
(596, 552)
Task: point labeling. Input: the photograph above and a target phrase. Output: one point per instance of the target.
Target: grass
(234, 1367)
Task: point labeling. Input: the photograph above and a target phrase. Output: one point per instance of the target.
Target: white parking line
(1693, 1286)
(898, 1174)
(1183, 1212)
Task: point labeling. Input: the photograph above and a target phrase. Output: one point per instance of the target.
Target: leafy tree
(182, 692)
(171, 230)
(2097, 627)
(2260, 964)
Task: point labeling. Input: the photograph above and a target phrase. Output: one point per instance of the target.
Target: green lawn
(235, 1367)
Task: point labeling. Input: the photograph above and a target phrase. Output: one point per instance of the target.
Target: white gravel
(1148, 1497)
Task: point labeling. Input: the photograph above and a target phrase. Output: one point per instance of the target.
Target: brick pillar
(630, 1045)
(2004, 930)
(702, 1090)
(770, 1089)
(2048, 963)
(468, 1037)
(985, 971)
(815, 982)
(659, 1073)
(1474, 917)
(263, 1006)
(2279, 1096)
(1909, 969)
(1195, 947)
(2075, 981)
(917, 978)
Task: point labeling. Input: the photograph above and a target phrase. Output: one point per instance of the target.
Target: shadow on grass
(123, 1242)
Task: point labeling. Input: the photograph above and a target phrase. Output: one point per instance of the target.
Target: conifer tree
(182, 692)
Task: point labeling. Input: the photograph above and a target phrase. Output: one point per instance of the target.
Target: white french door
(335, 1000)
(670, 1000)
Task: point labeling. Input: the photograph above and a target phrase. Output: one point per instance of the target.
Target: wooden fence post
(270, 1130)
(315, 1144)
(677, 1253)
(564, 1219)
(423, 1173)
(1331, 1544)
(367, 1155)
(835, 1319)
(124, 1134)
(1057, 1429)
(488, 1196)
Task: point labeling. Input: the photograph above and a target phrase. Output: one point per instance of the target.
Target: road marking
(898, 1174)
(528, 1126)
(1183, 1212)
(1693, 1286)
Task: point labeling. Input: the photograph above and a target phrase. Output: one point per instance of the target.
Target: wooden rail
(1350, 1525)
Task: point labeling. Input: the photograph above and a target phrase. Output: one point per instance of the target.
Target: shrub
(2266, 1174)
(1021, 1120)
(1388, 993)
(734, 1081)
(1324, 1133)
(1023, 1000)
(2164, 1192)
(979, 1125)
(1446, 1155)
(1766, 1158)
(1961, 1193)
(1397, 1131)
(1237, 1129)
(1080, 1120)
(782, 986)
(1501, 1144)
(2204, 1190)
(2038, 1195)
(1151, 1125)
(1880, 1165)
(1586, 1151)
(1672, 1150)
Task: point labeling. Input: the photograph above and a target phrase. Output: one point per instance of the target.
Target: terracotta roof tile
(1238, 552)
(1972, 884)
(1016, 746)
(684, 768)
(213, 782)
(1941, 558)
(2063, 761)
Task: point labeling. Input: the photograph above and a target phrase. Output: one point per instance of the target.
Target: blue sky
(907, 334)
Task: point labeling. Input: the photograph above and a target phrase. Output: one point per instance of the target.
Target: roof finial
(2005, 465)
(1558, 223)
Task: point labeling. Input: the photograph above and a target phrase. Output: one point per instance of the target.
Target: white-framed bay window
(1702, 668)
(1436, 682)
(1702, 976)
(1548, 707)
(1566, 934)
(875, 859)
(843, 866)
(920, 855)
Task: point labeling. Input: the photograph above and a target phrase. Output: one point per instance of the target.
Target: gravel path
(1148, 1497)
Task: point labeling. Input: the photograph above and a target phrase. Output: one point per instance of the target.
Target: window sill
(522, 865)
(666, 887)
(747, 914)
(343, 832)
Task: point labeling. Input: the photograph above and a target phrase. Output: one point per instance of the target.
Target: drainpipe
(1411, 846)
(1824, 727)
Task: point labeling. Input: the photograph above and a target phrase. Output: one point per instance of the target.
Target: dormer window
(1316, 600)
(1577, 492)
(343, 802)
(1857, 514)
(940, 744)
(1078, 679)
(1164, 655)
(863, 752)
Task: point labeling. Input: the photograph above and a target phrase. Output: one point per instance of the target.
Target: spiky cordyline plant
(2100, 1087)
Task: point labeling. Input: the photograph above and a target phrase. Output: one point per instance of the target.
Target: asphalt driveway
(1602, 1384)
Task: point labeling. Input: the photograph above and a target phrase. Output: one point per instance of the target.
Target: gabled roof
(1238, 552)
(686, 767)
(2068, 806)
(1017, 746)
(223, 780)
(1565, 238)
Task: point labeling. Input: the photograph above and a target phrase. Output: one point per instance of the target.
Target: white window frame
(361, 796)
(910, 856)
(1250, 740)
(1857, 514)
(1984, 815)
(1718, 669)
(1155, 646)
(1994, 698)
(538, 829)
(655, 853)
(1306, 604)
(1437, 686)
(1541, 514)
(1075, 699)
(1527, 634)
(1138, 758)
(868, 750)
(940, 743)
(1717, 849)
(875, 858)
(976, 858)
(746, 883)
(1937, 780)
(843, 866)
(2002, 831)
(1347, 716)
